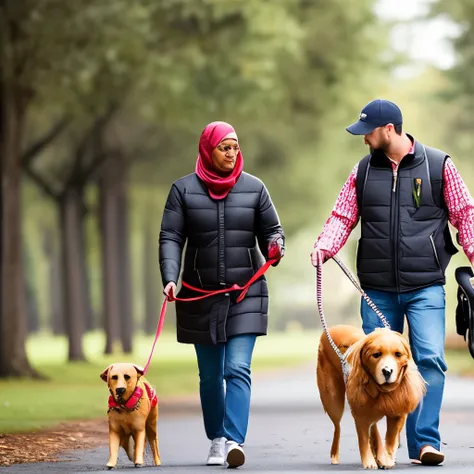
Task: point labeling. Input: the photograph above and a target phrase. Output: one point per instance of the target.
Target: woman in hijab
(230, 226)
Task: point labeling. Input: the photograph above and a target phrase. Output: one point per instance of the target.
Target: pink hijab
(218, 184)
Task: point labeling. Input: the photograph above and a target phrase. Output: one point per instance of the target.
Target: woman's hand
(276, 250)
(170, 290)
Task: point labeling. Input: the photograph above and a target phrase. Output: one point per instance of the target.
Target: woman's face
(224, 156)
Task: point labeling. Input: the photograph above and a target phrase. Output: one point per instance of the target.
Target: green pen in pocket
(417, 192)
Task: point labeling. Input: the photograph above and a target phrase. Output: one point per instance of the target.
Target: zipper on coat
(221, 243)
(395, 230)
(395, 177)
(434, 250)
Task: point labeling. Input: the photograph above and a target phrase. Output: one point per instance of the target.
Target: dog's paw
(334, 459)
(138, 464)
(385, 462)
(370, 464)
(390, 462)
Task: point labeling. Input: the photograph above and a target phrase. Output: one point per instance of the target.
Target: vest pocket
(434, 250)
(425, 213)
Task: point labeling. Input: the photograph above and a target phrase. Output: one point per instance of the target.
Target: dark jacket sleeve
(268, 222)
(172, 237)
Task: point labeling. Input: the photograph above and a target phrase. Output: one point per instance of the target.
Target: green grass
(75, 391)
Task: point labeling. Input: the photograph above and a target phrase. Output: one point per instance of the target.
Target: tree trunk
(33, 319)
(13, 361)
(89, 313)
(123, 256)
(32, 312)
(110, 246)
(13, 324)
(151, 280)
(55, 286)
(74, 294)
(56, 292)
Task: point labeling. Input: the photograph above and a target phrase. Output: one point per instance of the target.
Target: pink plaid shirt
(345, 214)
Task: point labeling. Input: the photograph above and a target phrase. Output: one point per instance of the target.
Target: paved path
(288, 433)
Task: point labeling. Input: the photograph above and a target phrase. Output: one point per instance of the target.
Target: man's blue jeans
(226, 412)
(425, 312)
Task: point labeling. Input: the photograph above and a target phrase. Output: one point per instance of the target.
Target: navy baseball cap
(377, 113)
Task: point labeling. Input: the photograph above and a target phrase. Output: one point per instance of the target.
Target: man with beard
(404, 193)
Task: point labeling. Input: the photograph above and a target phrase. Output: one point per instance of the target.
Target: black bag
(465, 307)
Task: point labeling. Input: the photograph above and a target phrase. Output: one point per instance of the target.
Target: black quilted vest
(405, 244)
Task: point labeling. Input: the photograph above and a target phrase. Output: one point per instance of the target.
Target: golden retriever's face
(122, 379)
(385, 356)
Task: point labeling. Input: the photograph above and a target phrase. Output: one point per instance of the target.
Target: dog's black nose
(119, 391)
(387, 373)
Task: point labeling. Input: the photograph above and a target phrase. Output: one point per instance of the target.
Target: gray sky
(424, 41)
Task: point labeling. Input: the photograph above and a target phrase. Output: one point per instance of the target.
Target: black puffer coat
(225, 242)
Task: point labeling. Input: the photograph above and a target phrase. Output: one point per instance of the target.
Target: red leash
(206, 294)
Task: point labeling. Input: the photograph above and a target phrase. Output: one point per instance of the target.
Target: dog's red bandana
(134, 401)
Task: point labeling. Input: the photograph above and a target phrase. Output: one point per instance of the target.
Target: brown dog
(383, 382)
(133, 413)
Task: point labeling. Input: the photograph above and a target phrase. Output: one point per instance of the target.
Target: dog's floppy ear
(105, 373)
(355, 360)
(410, 363)
(407, 347)
(140, 370)
(358, 371)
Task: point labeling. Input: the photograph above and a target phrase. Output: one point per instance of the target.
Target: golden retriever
(383, 382)
(133, 413)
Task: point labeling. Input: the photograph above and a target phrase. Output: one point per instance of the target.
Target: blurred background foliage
(102, 107)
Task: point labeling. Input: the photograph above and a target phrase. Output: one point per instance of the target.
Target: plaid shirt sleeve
(343, 218)
(460, 206)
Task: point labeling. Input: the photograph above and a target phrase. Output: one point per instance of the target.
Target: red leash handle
(205, 294)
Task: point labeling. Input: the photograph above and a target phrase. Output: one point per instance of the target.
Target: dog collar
(135, 399)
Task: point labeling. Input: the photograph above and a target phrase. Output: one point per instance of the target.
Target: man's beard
(383, 147)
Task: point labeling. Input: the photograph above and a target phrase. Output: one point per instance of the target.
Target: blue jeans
(425, 312)
(226, 412)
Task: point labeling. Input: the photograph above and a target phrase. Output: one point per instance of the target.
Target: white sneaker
(235, 454)
(217, 452)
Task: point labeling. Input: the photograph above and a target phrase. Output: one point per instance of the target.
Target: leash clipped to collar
(319, 296)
